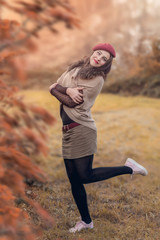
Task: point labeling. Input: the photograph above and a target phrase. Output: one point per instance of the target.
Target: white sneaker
(136, 167)
(80, 225)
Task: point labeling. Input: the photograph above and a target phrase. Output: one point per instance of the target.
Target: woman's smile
(96, 61)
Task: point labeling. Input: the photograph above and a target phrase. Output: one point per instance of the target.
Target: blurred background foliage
(132, 28)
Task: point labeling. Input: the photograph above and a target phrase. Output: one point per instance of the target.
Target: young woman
(77, 90)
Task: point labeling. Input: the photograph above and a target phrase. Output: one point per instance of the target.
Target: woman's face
(99, 58)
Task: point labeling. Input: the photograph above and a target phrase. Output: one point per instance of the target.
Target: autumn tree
(143, 77)
(23, 126)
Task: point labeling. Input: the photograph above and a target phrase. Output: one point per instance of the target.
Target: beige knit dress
(81, 140)
(78, 142)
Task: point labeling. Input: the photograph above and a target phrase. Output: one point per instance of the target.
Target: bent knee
(84, 178)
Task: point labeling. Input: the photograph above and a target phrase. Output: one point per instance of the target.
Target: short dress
(79, 141)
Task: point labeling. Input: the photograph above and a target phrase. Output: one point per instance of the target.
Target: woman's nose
(98, 59)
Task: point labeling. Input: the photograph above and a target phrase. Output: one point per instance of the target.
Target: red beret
(105, 46)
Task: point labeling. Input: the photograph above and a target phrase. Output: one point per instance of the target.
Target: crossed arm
(70, 97)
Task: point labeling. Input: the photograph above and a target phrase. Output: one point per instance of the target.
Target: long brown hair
(88, 72)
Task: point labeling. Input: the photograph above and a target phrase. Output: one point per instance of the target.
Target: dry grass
(121, 208)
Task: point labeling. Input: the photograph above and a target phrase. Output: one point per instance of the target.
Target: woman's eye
(98, 53)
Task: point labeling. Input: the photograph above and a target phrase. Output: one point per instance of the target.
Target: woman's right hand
(76, 94)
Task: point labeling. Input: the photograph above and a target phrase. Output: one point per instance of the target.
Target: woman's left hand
(53, 86)
(76, 94)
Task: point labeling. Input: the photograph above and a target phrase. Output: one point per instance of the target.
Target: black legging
(80, 172)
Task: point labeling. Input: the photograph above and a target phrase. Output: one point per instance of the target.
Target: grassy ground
(121, 208)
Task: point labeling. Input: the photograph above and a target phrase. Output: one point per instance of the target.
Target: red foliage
(22, 128)
(64, 16)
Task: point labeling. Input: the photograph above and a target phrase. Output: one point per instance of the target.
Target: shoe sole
(138, 165)
(80, 230)
(71, 230)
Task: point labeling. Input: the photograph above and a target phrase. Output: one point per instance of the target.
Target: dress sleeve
(60, 79)
(91, 88)
(63, 97)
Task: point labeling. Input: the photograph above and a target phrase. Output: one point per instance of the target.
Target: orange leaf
(10, 120)
(32, 15)
(39, 143)
(31, 45)
(2, 170)
(43, 114)
(2, 72)
(4, 125)
(4, 24)
(65, 16)
(20, 104)
(6, 194)
(30, 6)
